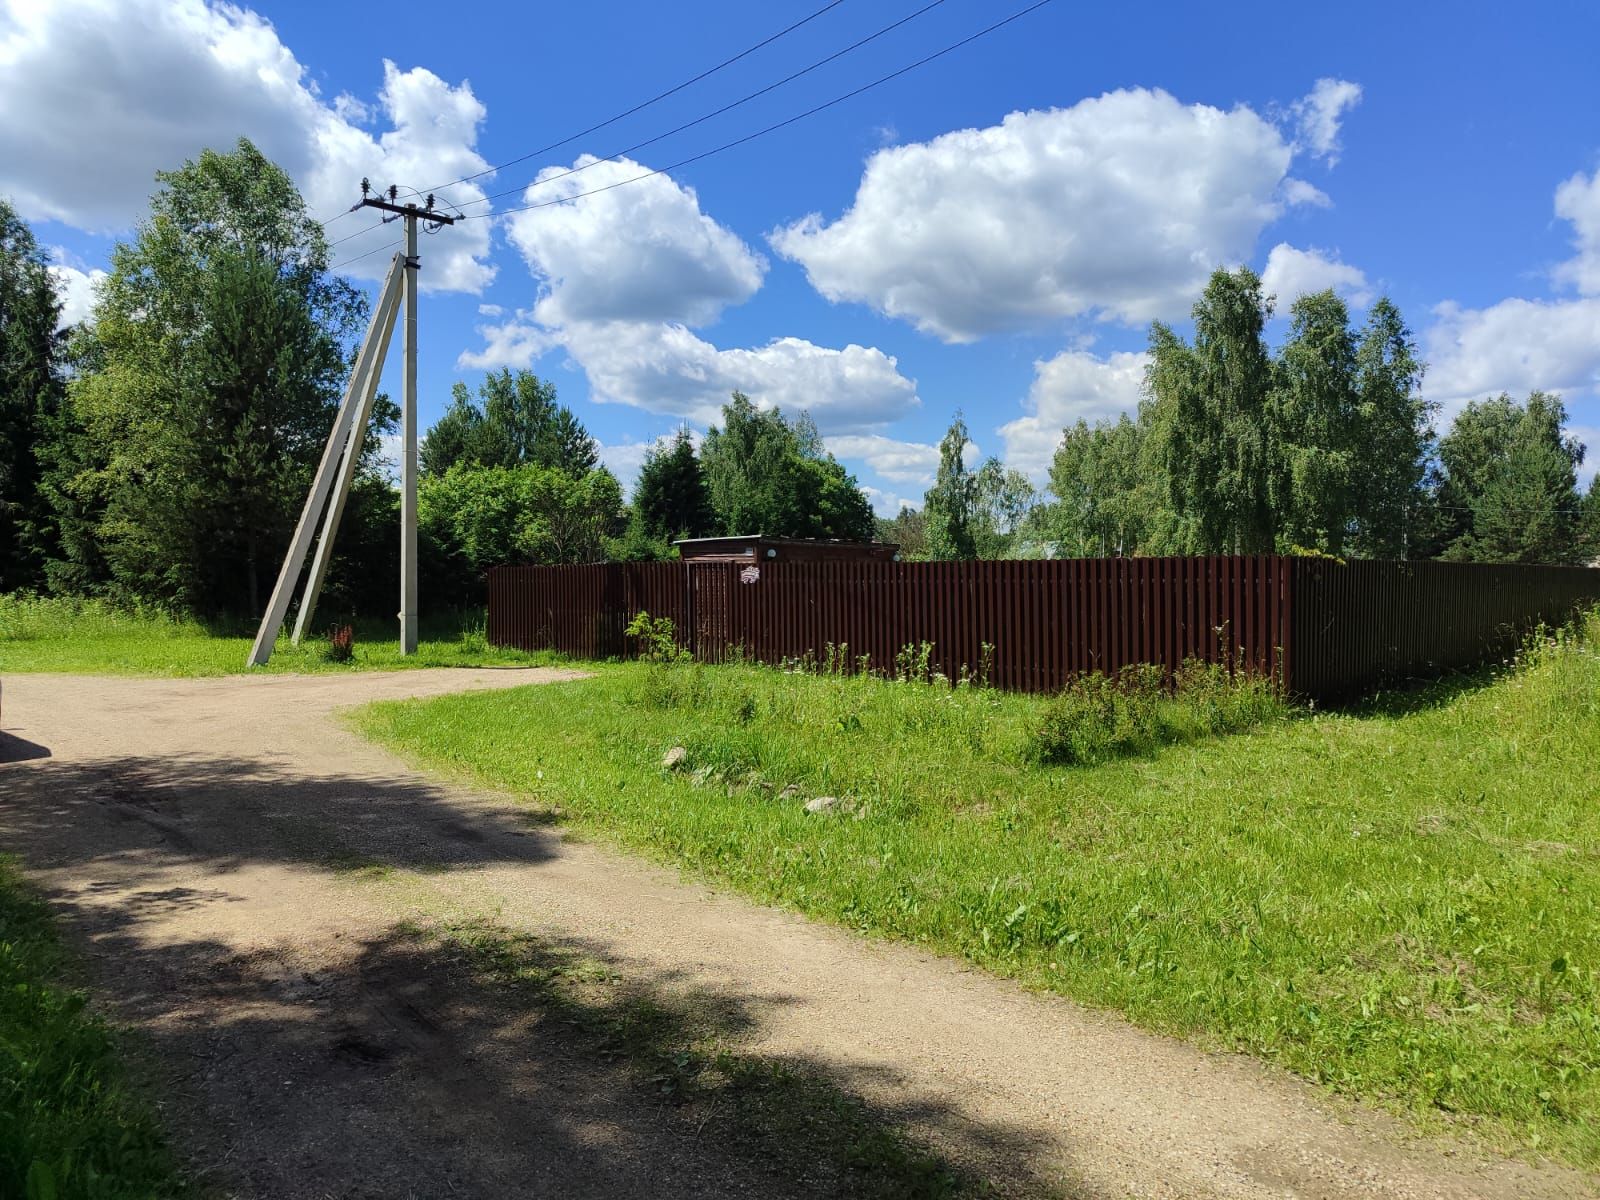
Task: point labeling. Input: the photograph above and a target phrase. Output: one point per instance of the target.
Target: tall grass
(68, 1124)
(1394, 902)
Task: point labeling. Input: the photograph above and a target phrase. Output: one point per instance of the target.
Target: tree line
(1324, 446)
(159, 452)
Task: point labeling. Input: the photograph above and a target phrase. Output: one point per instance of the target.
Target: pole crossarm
(278, 608)
(409, 210)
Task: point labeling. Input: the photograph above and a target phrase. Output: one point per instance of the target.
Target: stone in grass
(789, 792)
(822, 804)
(673, 759)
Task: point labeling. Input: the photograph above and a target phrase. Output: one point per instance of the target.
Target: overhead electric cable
(750, 137)
(356, 234)
(821, 62)
(643, 104)
(386, 246)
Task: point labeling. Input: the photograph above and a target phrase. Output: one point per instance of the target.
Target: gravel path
(237, 866)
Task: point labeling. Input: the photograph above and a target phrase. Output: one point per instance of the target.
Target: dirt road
(246, 878)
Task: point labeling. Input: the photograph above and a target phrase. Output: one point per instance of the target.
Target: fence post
(693, 636)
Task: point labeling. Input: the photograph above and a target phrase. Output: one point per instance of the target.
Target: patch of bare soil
(352, 980)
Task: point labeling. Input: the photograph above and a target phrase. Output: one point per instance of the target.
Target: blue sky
(991, 232)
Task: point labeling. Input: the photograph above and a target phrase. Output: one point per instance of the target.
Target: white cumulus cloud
(1318, 116)
(1514, 346)
(644, 252)
(1120, 205)
(888, 504)
(1074, 385)
(622, 279)
(101, 94)
(1578, 201)
(1520, 345)
(1291, 273)
(899, 461)
(669, 369)
(75, 288)
(1299, 193)
(515, 343)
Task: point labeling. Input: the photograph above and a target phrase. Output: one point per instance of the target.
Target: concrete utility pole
(411, 213)
(408, 453)
(349, 430)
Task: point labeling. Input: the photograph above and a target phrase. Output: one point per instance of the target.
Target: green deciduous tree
(768, 475)
(1590, 534)
(515, 421)
(1324, 446)
(1314, 428)
(1393, 442)
(1104, 499)
(208, 384)
(30, 404)
(474, 518)
(1209, 417)
(950, 505)
(909, 530)
(1003, 524)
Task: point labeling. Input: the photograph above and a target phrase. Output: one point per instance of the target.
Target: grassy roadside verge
(1396, 903)
(89, 637)
(68, 1124)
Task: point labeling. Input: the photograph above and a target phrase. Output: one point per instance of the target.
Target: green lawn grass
(1397, 901)
(68, 1124)
(91, 637)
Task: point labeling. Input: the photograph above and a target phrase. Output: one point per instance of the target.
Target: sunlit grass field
(47, 634)
(1396, 901)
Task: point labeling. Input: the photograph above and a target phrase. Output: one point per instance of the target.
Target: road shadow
(469, 1060)
(440, 1059)
(15, 749)
(224, 813)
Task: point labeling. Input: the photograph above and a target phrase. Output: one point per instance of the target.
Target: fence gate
(708, 600)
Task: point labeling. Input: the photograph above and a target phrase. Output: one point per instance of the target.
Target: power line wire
(643, 104)
(750, 137)
(821, 62)
(386, 246)
(356, 234)
(921, 62)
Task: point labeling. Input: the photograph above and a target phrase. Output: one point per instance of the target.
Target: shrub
(656, 637)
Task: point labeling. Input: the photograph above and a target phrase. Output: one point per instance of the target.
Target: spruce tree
(1511, 482)
(30, 404)
(670, 499)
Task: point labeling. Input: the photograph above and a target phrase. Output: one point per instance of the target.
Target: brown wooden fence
(1361, 622)
(1324, 629)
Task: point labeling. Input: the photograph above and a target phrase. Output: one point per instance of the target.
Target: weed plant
(1098, 717)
